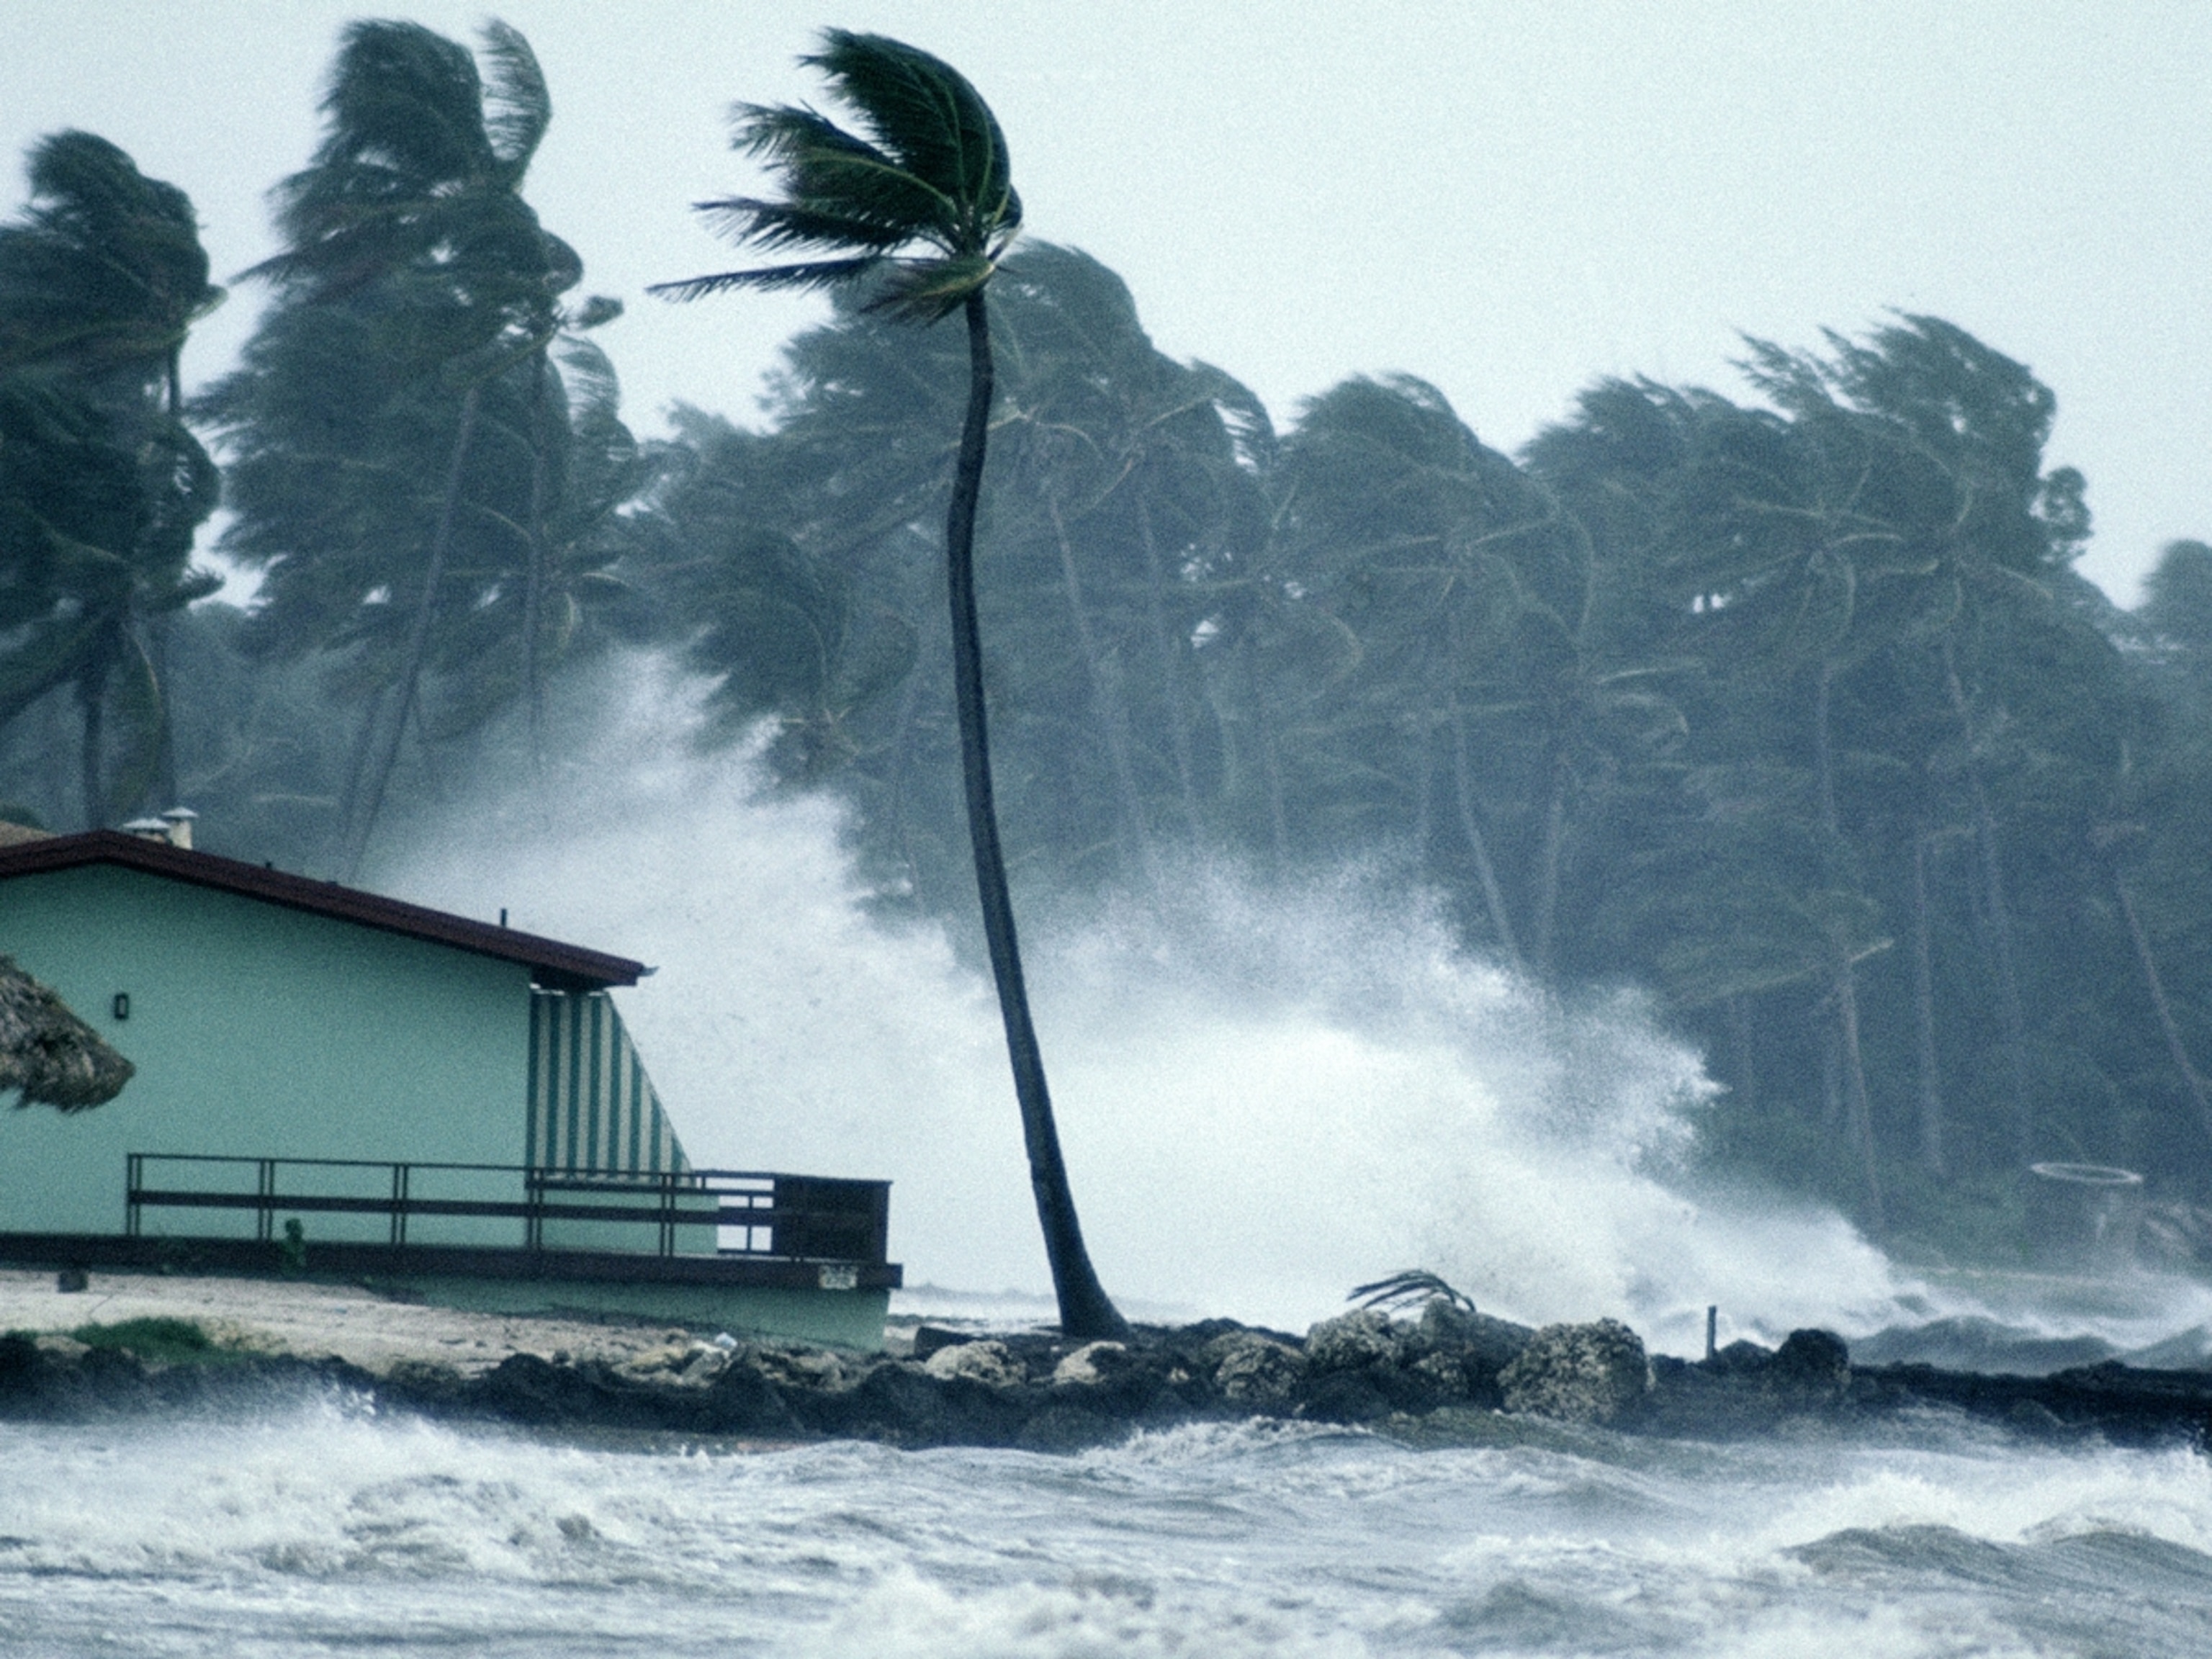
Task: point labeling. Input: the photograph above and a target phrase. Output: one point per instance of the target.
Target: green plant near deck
(168, 1341)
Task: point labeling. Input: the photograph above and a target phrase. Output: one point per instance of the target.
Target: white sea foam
(324, 1528)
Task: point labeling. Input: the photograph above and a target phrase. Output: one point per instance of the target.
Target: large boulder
(1356, 1341)
(1450, 1337)
(1254, 1370)
(1592, 1373)
(1092, 1363)
(1811, 1366)
(991, 1364)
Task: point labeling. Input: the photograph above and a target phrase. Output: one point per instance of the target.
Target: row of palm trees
(1792, 711)
(1789, 709)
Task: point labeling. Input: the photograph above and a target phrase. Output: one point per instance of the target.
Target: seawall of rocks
(1448, 1374)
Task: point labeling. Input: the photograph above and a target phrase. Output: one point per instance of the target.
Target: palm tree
(102, 487)
(418, 298)
(921, 200)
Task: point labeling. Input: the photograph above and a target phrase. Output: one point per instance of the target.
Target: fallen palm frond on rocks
(1402, 1289)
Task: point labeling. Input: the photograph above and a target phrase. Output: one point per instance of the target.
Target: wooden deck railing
(752, 1214)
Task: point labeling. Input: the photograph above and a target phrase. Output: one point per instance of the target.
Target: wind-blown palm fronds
(928, 170)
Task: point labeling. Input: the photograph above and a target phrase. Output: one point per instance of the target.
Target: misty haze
(1688, 871)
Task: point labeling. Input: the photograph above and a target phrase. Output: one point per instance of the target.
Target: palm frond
(1412, 1285)
(518, 108)
(826, 168)
(923, 290)
(928, 115)
(780, 225)
(820, 273)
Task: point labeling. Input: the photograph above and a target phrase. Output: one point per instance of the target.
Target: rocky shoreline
(1447, 1376)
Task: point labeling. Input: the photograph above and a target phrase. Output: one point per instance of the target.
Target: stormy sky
(1507, 199)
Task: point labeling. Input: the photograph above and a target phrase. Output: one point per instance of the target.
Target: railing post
(401, 1176)
(264, 1216)
(134, 1178)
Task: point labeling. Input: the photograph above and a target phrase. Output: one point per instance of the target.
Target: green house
(336, 1083)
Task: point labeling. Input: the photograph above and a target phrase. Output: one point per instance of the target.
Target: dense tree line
(1788, 707)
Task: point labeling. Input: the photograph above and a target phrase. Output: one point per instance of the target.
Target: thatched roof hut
(47, 1054)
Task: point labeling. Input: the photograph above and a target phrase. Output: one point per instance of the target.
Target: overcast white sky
(1507, 199)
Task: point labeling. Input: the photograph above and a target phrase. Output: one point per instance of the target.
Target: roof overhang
(553, 965)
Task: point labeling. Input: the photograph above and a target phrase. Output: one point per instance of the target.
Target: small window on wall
(121, 1007)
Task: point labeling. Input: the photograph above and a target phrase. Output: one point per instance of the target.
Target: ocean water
(320, 1529)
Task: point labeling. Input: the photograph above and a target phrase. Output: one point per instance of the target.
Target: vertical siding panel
(597, 1084)
(636, 1073)
(592, 1106)
(576, 1073)
(530, 1091)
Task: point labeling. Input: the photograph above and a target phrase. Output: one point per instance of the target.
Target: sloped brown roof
(553, 965)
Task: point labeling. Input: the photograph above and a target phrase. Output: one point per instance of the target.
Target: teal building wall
(259, 1031)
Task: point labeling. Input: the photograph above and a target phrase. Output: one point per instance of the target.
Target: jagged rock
(1354, 1341)
(655, 1363)
(741, 1401)
(1091, 1364)
(800, 1367)
(1483, 1344)
(1741, 1358)
(991, 1364)
(1252, 1370)
(1812, 1366)
(928, 1338)
(1350, 1396)
(1578, 1373)
(1443, 1371)
(425, 1381)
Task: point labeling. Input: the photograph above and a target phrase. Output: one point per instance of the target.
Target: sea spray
(1269, 1090)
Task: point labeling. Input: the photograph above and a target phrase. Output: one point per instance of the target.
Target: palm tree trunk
(533, 584)
(1824, 756)
(2010, 1007)
(1171, 669)
(159, 634)
(2174, 1047)
(1924, 1006)
(1085, 1314)
(1548, 865)
(1470, 824)
(1855, 1091)
(1106, 698)
(92, 754)
(383, 753)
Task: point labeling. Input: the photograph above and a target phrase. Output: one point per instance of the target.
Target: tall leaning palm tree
(920, 201)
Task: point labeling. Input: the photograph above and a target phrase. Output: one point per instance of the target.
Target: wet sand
(317, 1321)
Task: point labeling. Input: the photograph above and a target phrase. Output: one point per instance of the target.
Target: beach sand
(315, 1321)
